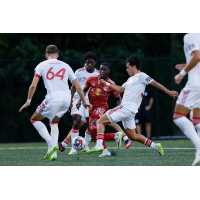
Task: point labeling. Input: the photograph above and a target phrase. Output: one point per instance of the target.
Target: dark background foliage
(20, 54)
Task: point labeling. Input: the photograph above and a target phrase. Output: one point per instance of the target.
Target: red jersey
(98, 94)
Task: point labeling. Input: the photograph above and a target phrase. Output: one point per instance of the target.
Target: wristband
(108, 84)
(183, 72)
(28, 101)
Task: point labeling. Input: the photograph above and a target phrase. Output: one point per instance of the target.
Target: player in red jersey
(98, 96)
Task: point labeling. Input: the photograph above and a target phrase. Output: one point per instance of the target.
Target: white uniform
(190, 94)
(55, 74)
(132, 98)
(82, 75)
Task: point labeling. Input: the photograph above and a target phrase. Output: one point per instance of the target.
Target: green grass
(31, 154)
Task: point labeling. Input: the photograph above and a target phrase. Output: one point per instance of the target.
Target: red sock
(109, 136)
(104, 144)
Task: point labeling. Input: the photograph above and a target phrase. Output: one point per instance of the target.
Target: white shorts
(189, 99)
(121, 113)
(50, 109)
(82, 111)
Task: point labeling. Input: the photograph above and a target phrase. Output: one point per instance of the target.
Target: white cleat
(72, 152)
(105, 153)
(197, 158)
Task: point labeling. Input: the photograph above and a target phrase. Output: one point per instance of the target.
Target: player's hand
(26, 105)
(173, 94)
(70, 108)
(178, 78)
(78, 105)
(102, 82)
(180, 66)
(147, 108)
(87, 105)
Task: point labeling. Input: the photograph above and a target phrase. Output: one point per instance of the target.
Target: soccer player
(189, 98)
(55, 74)
(133, 92)
(80, 116)
(98, 96)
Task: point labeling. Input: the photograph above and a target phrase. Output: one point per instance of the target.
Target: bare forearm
(81, 94)
(150, 102)
(73, 90)
(31, 91)
(119, 89)
(159, 86)
(191, 64)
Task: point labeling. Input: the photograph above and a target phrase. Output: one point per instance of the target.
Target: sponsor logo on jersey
(105, 88)
(99, 92)
(148, 79)
(190, 46)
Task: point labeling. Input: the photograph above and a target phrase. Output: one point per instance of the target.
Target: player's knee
(53, 122)
(76, 124)
(33, 120)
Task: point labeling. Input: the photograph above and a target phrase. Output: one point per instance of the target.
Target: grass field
(177, 153)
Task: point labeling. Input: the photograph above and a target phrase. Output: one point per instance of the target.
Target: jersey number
(60, 73)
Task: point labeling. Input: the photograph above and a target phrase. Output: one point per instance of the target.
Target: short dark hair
(133, 60)
(51, 49)
(90, 54)
(106, 64)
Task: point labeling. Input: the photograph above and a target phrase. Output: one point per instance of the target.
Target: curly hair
(106, 64)
(133, 60)
(90, 54)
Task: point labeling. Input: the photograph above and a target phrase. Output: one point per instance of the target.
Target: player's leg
(138, 129)
(117, 128)
(148, 129)
(87, 137)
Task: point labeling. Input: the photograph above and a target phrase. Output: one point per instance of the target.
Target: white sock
(42, 130)
(197, 127)
(87, 137)
(124, 136)
(65, 142)
(74, 133)
(100, 138)
(188, 129)
(151, 144)
(54, 132)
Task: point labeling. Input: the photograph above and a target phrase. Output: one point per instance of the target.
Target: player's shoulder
(191, 36)
(111, 81)
(96, 70)
(81, 69)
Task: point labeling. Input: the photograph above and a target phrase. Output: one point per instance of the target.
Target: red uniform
(98, 96)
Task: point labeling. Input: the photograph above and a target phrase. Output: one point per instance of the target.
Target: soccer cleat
(160, 149)
(51, 151)
(95, 149)
(53, 157)
(72, 152)
(128, 143)
(197, 158)
(61, 148)
(119, 140)
(86, 149)
(104, 154)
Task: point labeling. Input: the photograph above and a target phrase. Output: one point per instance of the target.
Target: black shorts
(143, 116)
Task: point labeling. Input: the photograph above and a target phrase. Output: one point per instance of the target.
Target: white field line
(108, 148)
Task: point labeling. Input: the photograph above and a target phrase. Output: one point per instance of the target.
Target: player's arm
(195, 57)
(81, 94)
(119, 89)
(150, 104)
(78, 105)
(73, 90)
(31, 92)
(161, 87)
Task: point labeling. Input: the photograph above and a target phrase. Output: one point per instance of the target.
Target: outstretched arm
(31, 92)
(161, 87)
(192, 63)
(114, 87)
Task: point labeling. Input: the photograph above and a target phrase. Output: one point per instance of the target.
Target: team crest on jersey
(105, 88)
(93, 84)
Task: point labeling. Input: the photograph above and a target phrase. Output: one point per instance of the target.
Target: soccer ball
(78, 143)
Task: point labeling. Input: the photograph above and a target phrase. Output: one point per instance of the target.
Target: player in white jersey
(133, 92)
(81, 116)
(189, 98)
(55, 75)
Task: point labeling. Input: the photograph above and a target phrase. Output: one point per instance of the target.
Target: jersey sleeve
(190, 44)
(87, 84)
(38, 71)
(124, 85)
(144, 78)
(71, 74)
(116, 94)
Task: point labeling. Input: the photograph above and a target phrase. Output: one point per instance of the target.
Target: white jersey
(134, 90)
(55, 74)
(192, 43)
(82, 75)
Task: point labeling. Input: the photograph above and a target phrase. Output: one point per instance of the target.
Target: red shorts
(96, 113)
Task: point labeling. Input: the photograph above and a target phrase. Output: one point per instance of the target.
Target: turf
(177, 153)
